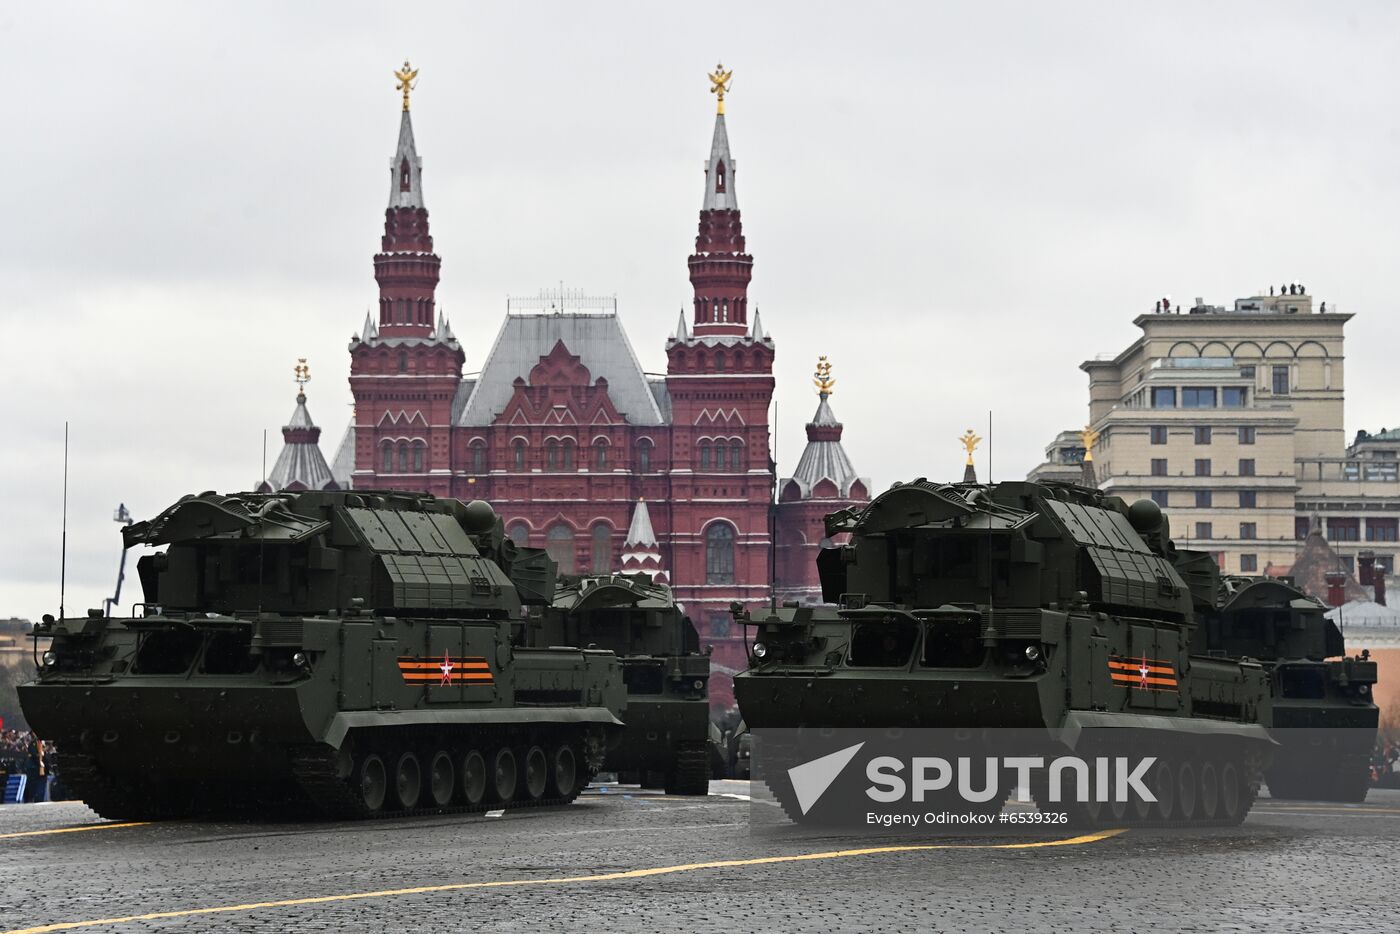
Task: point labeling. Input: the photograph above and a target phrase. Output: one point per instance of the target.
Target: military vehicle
(667, 676)
(339, 653)
(1324, 718)
(1045, 607)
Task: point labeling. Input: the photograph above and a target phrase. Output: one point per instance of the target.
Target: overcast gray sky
(957, 202)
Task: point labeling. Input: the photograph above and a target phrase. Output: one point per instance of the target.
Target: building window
(403, 457)
(559, 545)
(1198, 397)
(1203, 434)
(1203, 530)
(1301, 527)
(568, 454)
(1249, 531)
(1203, 466)
(644, 456)
(602, 549)
(1280, 380)
(1202, 499)
(518, 454)
(600, 456)
(551, 455)
(1159, 434)
(721, 456)
(719, 554)
(519, 533)
(1233, 397)
(736, 455)
(1246, 466)
(719, 357)
(418, 448)
(403, 361)
(1249, 499)
(1348, 563)
(1159, 466)
(388, 449)
(1343, 530)
(704, 455)
(1249, 563)
(1163, 397)
(1385, 563)
(1246, 434)
(478, 458)
(1159, 497)
(1247, 372)
(1382, 530)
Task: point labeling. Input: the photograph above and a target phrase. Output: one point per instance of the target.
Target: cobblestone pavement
(1292, 867)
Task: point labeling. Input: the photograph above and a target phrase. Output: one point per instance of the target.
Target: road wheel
(1230, 793)
(441, 779)
(1186, 792)
(1209, 785)
(1164, 788)
(503, 775)
(408, 781)
(564, 775)
(373, 782)
(536, 773)
(473, 778)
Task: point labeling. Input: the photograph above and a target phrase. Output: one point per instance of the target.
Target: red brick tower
(719, 378)
(823, 482)
(405, 368)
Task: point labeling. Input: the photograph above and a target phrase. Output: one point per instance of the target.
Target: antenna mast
(63, 547)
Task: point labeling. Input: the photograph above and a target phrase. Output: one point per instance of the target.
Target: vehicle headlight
(759, 650)
(698, 685)
(1363, 689)
(1032, 653)
(50, 659)
(300, 660)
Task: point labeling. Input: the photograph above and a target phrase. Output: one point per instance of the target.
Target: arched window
(644, 456)
(736, 455)
(388, 448)
(405, 179)
(719, 554)
(551, 455)
(403, 457)
(719, 362)
(719, 178)
(602, 549)
(418, 448)
(518, 454)
(560, 546)
(478, 458)
(568, 454)
(600, 456)
(721, 458)
(519, 533)
(705, 455)
(403, 361)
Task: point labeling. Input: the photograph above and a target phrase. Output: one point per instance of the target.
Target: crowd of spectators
(22, 753)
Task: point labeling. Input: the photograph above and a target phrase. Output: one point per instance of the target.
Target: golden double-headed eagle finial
(406, 81)
(970, 440)
(1088, 436)
(303, 374)
(719, 84)
(822, 378)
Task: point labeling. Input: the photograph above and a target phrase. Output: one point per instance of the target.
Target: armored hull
(1047, 608)
(339, 654)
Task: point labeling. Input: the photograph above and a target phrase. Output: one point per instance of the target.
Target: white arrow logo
(810, 780)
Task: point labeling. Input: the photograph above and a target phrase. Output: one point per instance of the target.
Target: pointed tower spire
(1086, 475)
(757, 334)
(824, 458)
(640, 552)
(720, 269)
(970, 440)
(301, 465)
(682, 331)
(406, 267)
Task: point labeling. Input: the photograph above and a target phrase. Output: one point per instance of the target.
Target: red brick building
(564, 432)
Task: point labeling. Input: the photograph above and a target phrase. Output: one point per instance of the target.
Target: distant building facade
(1231, 419)
(582, 451)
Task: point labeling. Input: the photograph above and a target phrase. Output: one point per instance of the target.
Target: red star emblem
(446, 669)
(1144, 671)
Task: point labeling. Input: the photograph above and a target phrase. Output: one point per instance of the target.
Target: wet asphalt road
(592, 867)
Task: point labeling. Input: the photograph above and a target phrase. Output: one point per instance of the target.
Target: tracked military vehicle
(1047, 608)
(344, 654)
(1323, 715)
(667, 676)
